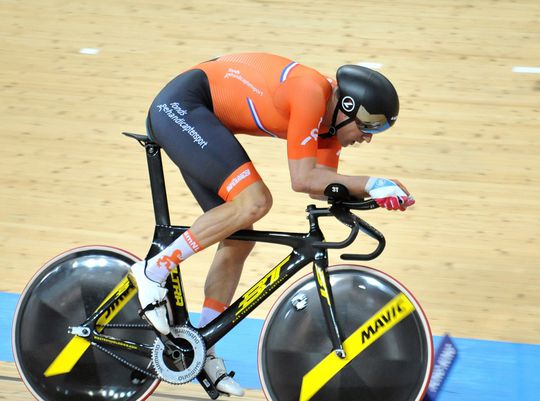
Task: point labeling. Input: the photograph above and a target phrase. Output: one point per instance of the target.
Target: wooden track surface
(466, 143)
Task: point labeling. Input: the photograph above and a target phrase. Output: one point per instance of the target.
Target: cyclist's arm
(322, 197)
(328, 152)
(308, 177)
(312, 179)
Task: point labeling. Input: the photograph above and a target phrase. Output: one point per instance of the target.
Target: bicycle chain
(125, 326)
(126, 362)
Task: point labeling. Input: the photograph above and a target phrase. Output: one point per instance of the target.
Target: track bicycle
(344, 332)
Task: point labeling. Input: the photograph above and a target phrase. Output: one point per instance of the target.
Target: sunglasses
(372, 127)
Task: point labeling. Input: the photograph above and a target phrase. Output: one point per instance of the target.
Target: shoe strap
(224, 375)
(152, 306)
(220, 378)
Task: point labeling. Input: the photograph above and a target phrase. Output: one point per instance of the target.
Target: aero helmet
(365, 96)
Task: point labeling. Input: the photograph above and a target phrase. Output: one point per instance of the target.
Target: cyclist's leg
(226, 269)
(221, 283)
(223, 278)
(222, 219)
(217, 167)
(208, 154)
(183, 123)
(230, 256)
(246, 208)
(247, 201)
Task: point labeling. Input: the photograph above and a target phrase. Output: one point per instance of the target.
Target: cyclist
(193, 119)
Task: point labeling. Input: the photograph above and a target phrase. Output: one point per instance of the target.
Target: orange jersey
(268, 95)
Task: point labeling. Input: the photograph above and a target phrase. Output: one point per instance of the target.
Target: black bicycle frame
(307, 247)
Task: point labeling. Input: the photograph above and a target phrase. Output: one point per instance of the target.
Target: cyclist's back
(253, 93)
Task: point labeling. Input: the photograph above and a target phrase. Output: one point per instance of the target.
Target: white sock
(159, 266)
(211, 310)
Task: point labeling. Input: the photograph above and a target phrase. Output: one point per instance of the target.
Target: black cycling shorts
(213, 163)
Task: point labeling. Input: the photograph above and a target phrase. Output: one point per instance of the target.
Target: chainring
(173, 370)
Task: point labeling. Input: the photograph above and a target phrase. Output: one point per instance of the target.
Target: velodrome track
(75, 75)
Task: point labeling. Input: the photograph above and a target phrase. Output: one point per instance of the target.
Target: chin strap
(333, 127)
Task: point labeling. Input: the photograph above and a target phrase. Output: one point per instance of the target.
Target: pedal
(207, 384)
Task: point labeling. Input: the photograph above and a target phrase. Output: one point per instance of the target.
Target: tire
(64, 292)
(396, 366)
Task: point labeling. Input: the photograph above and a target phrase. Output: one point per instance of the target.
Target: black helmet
(367, 97)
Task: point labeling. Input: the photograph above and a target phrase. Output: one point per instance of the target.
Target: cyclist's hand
(390, 194)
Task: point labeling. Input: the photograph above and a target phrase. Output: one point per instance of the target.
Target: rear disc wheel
(63, 293)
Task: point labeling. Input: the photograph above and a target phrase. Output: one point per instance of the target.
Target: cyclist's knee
(253, 203)
(260, 207)
(256, 209)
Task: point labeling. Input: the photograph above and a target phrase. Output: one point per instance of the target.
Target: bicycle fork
(320, 266)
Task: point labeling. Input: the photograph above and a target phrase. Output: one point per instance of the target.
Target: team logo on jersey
(313, 135)
(348, 104)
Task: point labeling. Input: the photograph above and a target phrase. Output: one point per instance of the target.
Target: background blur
(465, 143)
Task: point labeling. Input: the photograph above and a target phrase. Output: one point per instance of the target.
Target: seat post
(157, 184)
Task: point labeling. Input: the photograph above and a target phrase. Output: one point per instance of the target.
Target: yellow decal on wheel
(75, 349)
(373, 329)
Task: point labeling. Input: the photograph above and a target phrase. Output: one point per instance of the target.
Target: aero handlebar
(340, 209)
